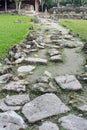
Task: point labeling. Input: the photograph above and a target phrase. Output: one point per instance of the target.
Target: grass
(78, 26)
(11, 31)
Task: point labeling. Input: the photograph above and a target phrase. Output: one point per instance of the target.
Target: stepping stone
(48, 126)
(73, 122)
(17, 100)
(68, 82)
(5, 69)
(53, 52)
(11, 121)
(25, 69)
(15, 86)
(35, 60)
(44, 87)
(44, 106)
(5, 107)
(56, 58)
(5, 78)
(83, 108)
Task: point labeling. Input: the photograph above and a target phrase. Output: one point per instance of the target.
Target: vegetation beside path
(78, 26)
(13, 29)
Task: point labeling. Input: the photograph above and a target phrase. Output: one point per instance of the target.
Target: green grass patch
(78, 26)
(13, 29)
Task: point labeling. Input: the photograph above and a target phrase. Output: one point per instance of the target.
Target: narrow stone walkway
(42, 82)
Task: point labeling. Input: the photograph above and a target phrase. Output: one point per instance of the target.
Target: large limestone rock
(17, 100)
(25, 69)
(44, 106)
(15, 86)
(5, 69)
(68, 82)
(5, 78)
(11, 121)
(73, 122)
(35, 60)
(48, 126)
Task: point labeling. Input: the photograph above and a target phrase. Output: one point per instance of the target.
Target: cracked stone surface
(44, 87)
(48, 126)
(25, 69)
(15, 86)
(5, 107)
(17, 100)
(11, 121)
(5, 78)
(73, 122)
(5, 69)
(68, 82)
(44, 106)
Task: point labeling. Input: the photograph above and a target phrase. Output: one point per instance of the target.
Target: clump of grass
(13, 29)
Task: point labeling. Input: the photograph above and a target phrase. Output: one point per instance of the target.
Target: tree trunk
(5, 5)
(16, 3)
(19, 7)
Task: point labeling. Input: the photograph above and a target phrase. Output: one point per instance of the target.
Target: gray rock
(43, 79)
(11, 121)
(5, 78)
(83, 108)
(53, 52)
(25, 69)
(44, 87)
(5, 69)
(18, 61)
(73, 122)
(48, 126)
(35, 60)
(68, 82)
(5, 107)
(56, 58)
(17, 100)
(44, 106)
(15, 86)
(86, 67)
(68, 37)
(48, 74)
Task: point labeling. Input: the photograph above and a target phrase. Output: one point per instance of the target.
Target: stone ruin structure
(69, 12)
(26, 4)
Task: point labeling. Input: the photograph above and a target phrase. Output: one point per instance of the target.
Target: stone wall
(69, 12)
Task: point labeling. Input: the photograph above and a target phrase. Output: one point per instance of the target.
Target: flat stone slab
(5, 107)
(73, 122)
(25, 69)
(44, 87)
(5, 78)
(48, 126)
(68, 82)
(35, 60)
(15, 86)
(83, 108)
(56, 58)
(5, 69)
(17, 100)
(44, 106)
(11, 121)
(53, 52)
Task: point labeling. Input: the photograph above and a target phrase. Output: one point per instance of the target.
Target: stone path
(43, 79)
